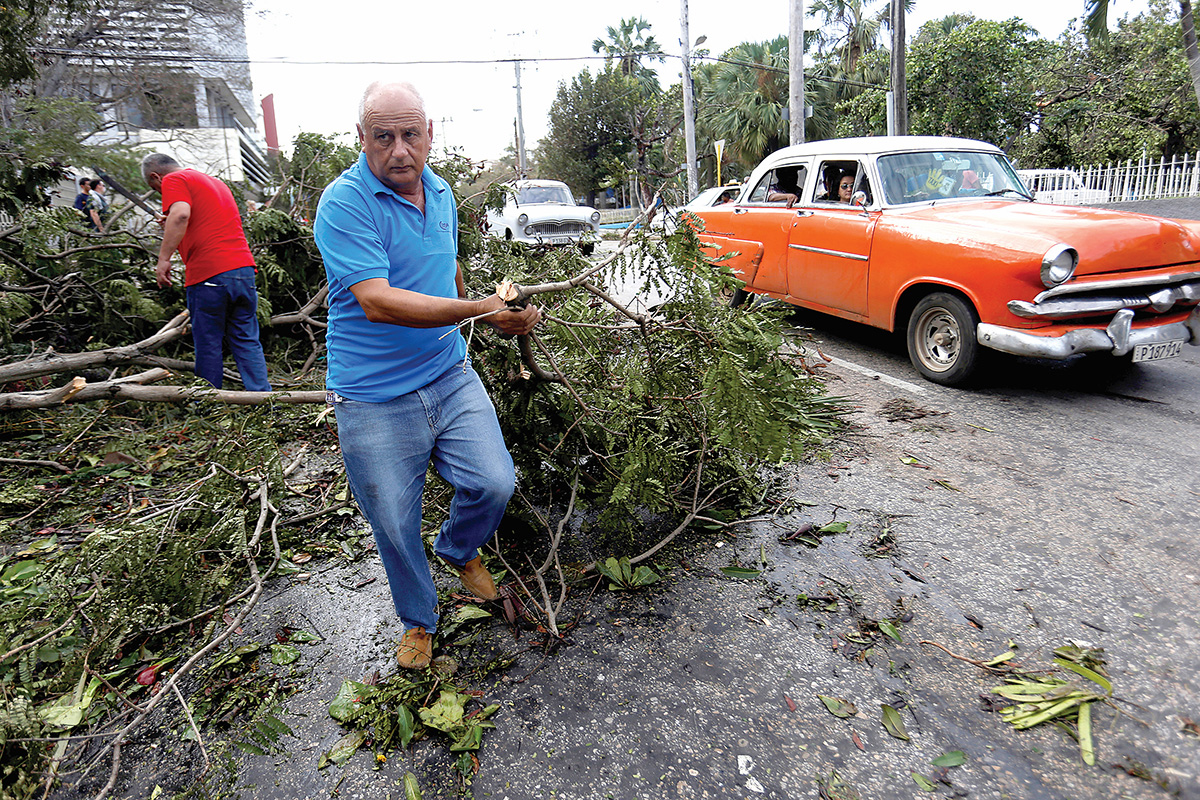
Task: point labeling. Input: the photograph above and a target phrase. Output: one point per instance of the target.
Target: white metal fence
(1144, 179)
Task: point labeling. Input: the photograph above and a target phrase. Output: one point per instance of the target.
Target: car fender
(988, 270)
(742, 256)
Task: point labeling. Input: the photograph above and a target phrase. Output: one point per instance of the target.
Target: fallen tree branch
(132, 388)
(257, 579)
(33, 462)
(304, 314)
(52, 363)
(1005, 667)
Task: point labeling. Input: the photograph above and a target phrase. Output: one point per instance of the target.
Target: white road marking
(874, 373)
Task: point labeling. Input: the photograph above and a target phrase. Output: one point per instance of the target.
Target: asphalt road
(1051, 504)
(1054, 504)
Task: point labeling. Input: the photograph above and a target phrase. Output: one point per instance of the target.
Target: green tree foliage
(589, 138)
(1096, 28)
(1116, 98)
(976, 81)
(742, 97)
(865, 113)
(314, 162)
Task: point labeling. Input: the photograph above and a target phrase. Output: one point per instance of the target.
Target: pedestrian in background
(201, 221)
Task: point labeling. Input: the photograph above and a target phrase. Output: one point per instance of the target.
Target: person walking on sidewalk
(399, 377)
(202, 222)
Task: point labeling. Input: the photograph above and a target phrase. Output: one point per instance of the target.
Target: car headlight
(1058, 265)
(521, 220)
(529, 230)
(595, 217)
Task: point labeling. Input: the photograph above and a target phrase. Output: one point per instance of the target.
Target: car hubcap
(937, 339)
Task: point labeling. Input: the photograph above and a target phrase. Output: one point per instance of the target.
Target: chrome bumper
(1118, 338)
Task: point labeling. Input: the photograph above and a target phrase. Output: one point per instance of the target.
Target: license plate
(560, 240)
(1157, 352)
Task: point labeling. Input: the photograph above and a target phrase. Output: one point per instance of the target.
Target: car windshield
(528, 195)
(916, 177)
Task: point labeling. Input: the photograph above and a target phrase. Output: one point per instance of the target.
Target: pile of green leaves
(1064, 703)
(106, 571)
(685, 408)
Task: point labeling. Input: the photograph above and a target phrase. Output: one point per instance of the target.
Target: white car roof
(878, 145)
(531, 182)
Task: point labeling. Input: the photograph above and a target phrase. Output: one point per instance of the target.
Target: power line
(181, 58)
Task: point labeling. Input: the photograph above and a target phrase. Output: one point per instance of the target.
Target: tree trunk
(52, 363)
(1190, 49)
(133, 387)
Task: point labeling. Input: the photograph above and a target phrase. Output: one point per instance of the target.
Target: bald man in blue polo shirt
(399, 378)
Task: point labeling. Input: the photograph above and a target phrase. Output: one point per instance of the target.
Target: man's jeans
(223, 309)
(387, 448)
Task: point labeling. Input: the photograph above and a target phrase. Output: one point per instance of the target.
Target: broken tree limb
(35, 462)
(304, 315)
(133, 388)
(51, 363)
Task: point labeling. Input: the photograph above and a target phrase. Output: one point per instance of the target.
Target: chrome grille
(558, 228)
(1158, 294)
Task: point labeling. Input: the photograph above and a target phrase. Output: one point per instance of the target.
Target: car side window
(837, 181)
(778, 183)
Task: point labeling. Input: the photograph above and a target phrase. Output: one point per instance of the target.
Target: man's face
(396, 139)
(154, 181)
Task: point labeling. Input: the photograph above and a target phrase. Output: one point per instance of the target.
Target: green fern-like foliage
(687, 406)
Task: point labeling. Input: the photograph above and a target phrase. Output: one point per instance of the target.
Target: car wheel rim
(937, 339)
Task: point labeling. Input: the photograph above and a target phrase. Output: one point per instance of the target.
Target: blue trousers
(223, 311)
(387, 448)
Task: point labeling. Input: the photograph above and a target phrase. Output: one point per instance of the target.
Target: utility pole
(899, 85)
(796, 106)
(689, 112)
(521, 170)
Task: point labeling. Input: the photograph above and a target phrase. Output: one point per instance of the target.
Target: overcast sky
(472, 101)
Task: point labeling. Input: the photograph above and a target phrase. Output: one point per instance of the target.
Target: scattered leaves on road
(892, 722)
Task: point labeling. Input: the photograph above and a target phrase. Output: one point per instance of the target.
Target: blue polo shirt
(365, 230)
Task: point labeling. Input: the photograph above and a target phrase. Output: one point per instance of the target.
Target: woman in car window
(845, 188)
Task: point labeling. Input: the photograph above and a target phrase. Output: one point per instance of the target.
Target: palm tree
(1096, 28)
(743, 96)
(628, 44)
(848, 29)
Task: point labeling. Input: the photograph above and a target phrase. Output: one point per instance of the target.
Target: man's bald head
(379, 88)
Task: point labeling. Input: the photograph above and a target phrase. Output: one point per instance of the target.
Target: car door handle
(803, 212)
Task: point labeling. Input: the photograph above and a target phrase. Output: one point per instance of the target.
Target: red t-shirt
(214, 241)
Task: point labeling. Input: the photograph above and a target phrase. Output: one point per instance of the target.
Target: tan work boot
(475, 578)
(415, 650)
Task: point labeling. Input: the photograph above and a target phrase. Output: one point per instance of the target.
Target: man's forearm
(382, 302)
(173, 232)
(385, 303)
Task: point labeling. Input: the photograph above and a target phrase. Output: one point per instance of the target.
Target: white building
(172, 77)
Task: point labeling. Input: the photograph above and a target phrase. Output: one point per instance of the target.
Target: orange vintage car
(938, 237)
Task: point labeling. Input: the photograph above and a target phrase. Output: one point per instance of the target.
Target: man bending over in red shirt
(203, 224)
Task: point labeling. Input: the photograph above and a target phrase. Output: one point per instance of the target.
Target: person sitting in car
(783, 187)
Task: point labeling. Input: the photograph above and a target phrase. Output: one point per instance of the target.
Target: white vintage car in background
(1062, 187)
(543, 212)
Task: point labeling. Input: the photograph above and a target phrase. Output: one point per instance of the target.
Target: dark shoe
(475, 578)
(415, 650)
